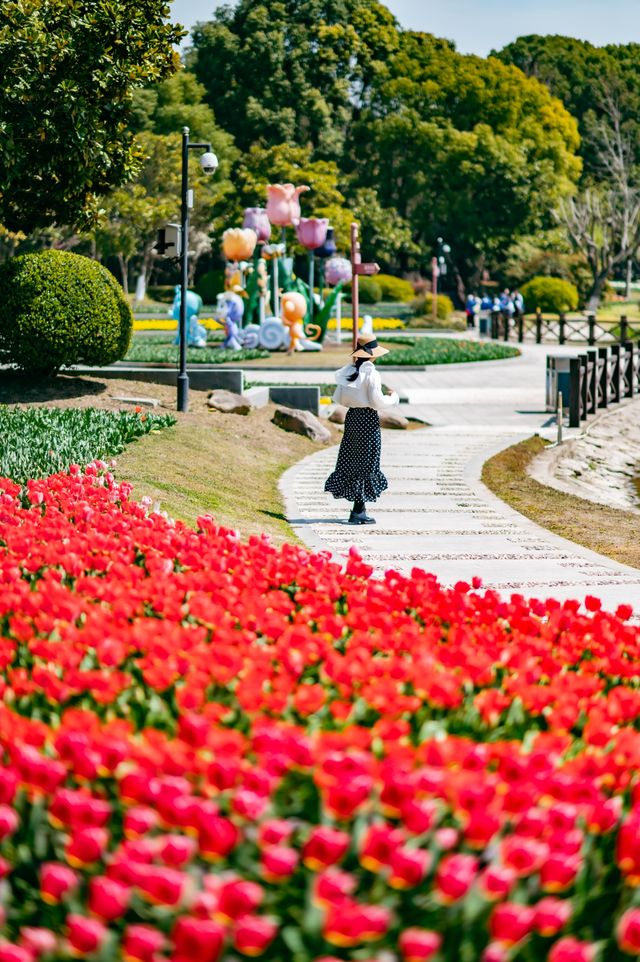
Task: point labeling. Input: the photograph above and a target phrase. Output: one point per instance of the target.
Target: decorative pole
(434, 287)
(358, 268)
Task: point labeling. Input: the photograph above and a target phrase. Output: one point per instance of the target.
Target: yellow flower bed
(379, 323)
(168, 324)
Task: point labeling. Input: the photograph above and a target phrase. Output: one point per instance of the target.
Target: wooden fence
(599, 378)
(561, 330)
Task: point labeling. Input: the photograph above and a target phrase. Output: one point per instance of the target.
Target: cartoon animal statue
(294, 308)
(196, 333)
(230, 309)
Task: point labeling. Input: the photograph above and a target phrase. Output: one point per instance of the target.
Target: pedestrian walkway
(437, 514)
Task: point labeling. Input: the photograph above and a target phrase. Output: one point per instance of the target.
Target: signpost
(358, 269)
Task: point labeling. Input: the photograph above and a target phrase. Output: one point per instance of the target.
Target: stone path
(437, 514)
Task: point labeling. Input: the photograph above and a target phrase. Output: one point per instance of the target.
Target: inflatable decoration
(196, 333)
(283, 204)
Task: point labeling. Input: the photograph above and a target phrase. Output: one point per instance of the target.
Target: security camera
(209, 163)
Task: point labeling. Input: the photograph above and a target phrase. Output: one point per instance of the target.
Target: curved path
(437, 514)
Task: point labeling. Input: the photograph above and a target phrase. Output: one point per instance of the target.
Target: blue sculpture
(196, 333)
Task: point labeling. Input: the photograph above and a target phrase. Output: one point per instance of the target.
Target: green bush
(38, 441)
(395, 289)
(58, 309)
(210, 285)
(369, 291)
(423, 306)
(551, 294)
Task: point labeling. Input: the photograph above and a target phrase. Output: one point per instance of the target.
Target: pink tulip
(312, 232)
(283, 204)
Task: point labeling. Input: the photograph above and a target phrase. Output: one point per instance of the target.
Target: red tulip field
(214, 749)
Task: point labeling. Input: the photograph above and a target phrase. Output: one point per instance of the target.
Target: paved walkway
(437, 514)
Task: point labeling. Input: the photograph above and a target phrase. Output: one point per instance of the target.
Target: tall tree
(292, 71)
(67, 73)
(464, 148)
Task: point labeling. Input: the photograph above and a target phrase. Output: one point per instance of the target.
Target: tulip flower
(325, 847)
(418, 945)
(141, 943)
(56, 882)
(510, 923)
(38, 941)
(15, 953)
(454, 877)
(238, 898)
(628, 932)
(199, 939)
(108, 899)
(85, 935)
(253, 934)
(278, 862)
(572, 950)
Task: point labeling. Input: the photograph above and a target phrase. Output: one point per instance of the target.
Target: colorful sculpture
(312, 231)
(230, 311)
(196, 333)
(294, 308)
(337, 269)
(256, 218)
(283, 204)
(239, 243)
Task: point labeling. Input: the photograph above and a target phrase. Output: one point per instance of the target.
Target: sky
(478, 26)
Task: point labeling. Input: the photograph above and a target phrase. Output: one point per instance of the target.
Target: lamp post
(209, 164)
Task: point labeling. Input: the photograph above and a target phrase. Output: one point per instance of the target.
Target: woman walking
(357, 476)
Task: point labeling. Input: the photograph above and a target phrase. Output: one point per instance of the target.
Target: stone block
(143, 402)
(301, 422)
(391, 419)
(229, 403)
(259, 396)
(301, 397)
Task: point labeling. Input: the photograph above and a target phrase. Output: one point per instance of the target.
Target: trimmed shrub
(163, 293)
(58, 309)
(369, 291)
(551, 294)
(395, 289)
(423, 306)
(210, 285)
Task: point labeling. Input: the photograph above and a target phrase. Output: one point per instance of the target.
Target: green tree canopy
(290, 71)
(167, 107)
(463, 147)
(67, 73)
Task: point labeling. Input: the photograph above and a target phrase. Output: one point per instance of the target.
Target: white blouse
(365, 391)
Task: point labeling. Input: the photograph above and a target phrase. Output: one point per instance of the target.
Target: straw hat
(368, 347)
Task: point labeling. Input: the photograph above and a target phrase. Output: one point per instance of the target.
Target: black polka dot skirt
(357, 476)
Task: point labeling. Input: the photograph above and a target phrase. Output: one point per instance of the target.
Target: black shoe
(360, 517)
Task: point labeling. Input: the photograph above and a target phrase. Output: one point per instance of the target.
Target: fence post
(574, 392)
(592, 382)
(603, 354)
(591, 321)
(538, 326)
(561, 334)
(616, 351)
(629, 365)
(520, 328)
(494, 325)
(505, 318)
(624, 328)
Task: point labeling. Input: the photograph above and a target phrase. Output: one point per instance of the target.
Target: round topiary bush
(551, 294)
(395, 289)
(58, 309)
(369, 291)
(423, 306)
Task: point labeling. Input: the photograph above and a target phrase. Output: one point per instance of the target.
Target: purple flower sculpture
(337, 269)
(312, 232)
(256, 218)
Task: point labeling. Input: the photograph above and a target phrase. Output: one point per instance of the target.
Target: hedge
(552, 295)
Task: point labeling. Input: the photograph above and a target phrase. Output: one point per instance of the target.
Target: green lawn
(160, 349)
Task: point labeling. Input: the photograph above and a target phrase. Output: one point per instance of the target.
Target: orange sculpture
(294, 308)
(238, 244)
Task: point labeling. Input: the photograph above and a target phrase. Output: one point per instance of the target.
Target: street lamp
(209, 164)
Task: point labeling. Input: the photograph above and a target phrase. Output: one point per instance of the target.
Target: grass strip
(38, 441)
(608, 531)
(444, 350)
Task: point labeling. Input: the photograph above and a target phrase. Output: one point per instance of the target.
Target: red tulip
(333, 887)
(9, 821)
(85, 935)
(238, 898)
(510, 923)
(455, 876)
(199, 939)
(418, 945)
(86, 846)
(253, 934)
(325, 847)
(38, 941)
(495, 952)
(278, 862)
(274, 831)
(141, 943)
(552, 915)
(495, 882)
(559, 872)
(378, 846)
(139, 820)
(56, 881)
(177, 850)
(628, 932)
(572, 950)
(409, 867)
(161, 885)
(107, 898)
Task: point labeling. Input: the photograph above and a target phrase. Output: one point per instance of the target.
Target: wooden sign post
(357, 269)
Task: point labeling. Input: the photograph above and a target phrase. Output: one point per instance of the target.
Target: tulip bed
(213, 750)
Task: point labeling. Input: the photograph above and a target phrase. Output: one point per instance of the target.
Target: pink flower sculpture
(337, 269)
(312, 232)
(256, 218)
(283, 204)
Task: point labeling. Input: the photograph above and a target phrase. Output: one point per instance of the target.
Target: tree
(133, 213)
(167, 107)
(286, 71)
(67, 76)
(464, 148)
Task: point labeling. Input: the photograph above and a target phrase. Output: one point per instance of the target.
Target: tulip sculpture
(312, 234)
(337, 272)
(283, 210)
(257, 279)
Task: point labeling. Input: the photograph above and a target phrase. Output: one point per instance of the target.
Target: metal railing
(561, 330)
